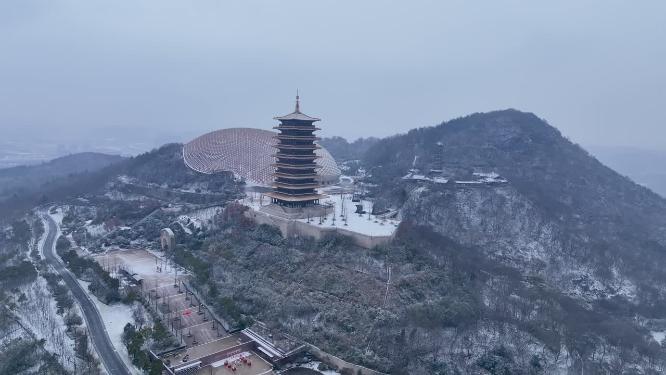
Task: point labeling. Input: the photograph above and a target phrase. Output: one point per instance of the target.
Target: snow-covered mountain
(585, 246)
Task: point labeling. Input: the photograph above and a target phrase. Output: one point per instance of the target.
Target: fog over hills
(565, 222)
(559, 268)
(645, 167)
(26, 146)
(498, 205)
(31, 178)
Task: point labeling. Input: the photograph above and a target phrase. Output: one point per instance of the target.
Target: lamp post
(175, 276)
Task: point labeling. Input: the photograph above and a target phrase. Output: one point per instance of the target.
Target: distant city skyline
(592, 69)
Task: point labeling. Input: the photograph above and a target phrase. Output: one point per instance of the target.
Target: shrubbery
(18, 274)
(136, 341)
(102, 284)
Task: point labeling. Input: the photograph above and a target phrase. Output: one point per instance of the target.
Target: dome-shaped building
(248, 153)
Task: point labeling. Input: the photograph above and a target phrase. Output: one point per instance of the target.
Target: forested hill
(556, 174)
(564, 221)
(72, 163)
(30, 177)
(597, 212)
(163, 167)
(646, 167)
(561, 269)
(342, 150)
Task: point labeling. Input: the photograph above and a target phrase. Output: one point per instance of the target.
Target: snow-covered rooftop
(478, 178)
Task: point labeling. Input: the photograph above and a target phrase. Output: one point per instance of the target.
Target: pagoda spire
(298, 103)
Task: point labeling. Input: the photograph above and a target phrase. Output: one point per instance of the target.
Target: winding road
(110, 359)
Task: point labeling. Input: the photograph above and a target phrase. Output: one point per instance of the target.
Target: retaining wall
(295, 228)
(340, 364)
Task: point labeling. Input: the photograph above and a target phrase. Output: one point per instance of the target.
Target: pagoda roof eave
(296, 127)
(313, 185)
(296, 116)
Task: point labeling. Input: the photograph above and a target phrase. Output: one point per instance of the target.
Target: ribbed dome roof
(247, 153)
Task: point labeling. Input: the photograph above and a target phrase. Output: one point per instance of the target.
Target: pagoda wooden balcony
(308, 137)
(297, 147)
(282, 155)
(296, 176)
(296, 127)
(295, 166)
(309, 185)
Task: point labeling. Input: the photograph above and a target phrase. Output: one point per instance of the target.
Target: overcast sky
(594, 69)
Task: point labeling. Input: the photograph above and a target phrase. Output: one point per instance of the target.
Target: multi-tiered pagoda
(295, 178)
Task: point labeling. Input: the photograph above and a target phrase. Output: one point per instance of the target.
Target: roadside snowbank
(115, 318)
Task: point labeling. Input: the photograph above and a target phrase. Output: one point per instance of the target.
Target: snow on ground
(198, 218)
(120, 196)
(197, 187)
(8, 336)
(95, 230)
(314, 365)
(58, 215)
(125, 179)
(183, 221)
(488, 175)
(255, 200)
(40, 243)
(479, 178)
(343, 211)
(658, 336)
(206, 214)
(341, 208)
(415, 176)
(484, 178)
(38, 313)
(132, 261)
(624, 286)
(149, 265)
(115, 318)
(143, 263)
